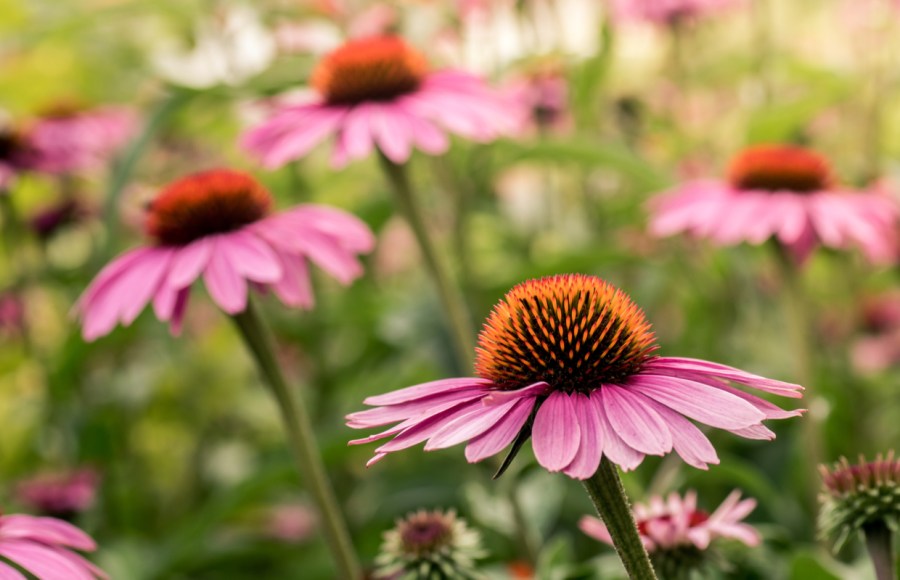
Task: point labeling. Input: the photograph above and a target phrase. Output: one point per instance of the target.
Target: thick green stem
(608, 495)
(301, 440)
(878, 542)
(451, 299)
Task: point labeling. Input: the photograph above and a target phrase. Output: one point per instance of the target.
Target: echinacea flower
(569, 361)
(16, 155)
(429, 544)
(667, 11)
(217, 224)
(784, 193)
(859, 498)
(45, 548)
(50, 220)
(677, 534)
(59, 494)
(69, 138)
(379, 92)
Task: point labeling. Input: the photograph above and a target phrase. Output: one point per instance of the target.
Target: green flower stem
(451, 299)
(301, 439)
(608, 495)
(879, 544)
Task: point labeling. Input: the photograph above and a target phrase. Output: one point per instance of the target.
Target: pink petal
(759, 432)
(468, 426)
(427, 427)
(674, 365)
(502, 433)
(225, 286)
(402, 411)
(251, 257)
(556, 435)
(46, 530)
(295, 139)
(424, 390)
(587, 459)
(189, 262)
(635, 421)
(689, 442)
(497, 397)
(356, 134)
(294, 288)
(42, 561)
(595, 528)
(613, 446)
(7, 572)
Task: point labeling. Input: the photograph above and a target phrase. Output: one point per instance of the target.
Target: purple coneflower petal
(469, 426)
(424, 390)
(590, 449)
(613, 446)
(42, 561)
(556, 434)
(635, 421)
(502, 434)
(189, 262)
(225, 285)
(427, 426)
(7, 572)
(689, 442)
(251, 258)
(47, 530)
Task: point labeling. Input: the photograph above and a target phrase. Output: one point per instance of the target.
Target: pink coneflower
(782, 192)
(218, 224)
(69, 138)
(379, 92)
(677, 533)
(667, 11)
(16, 155)
(60, 494)
(568, 360)
(45, 547)
(50, 220)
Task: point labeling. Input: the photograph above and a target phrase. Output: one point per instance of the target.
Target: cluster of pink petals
(45, 548)
(447, 100)
(61, 493)
(271, 253)
(666, 11)
(799, 221)
(81, 141)
(674, 522)
(646, 415)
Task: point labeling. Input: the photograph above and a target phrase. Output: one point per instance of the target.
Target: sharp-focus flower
(45, 547)
(857, 497)
(429, 545)
(62, 494)
(70, 139)
(217, 224)
(379, 92)
(667, 11)
(568, 360)
(677, 534)
(781, 192)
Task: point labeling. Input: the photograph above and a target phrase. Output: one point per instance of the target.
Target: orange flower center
(573, 331)
(780, 168)
(370, 69)
(206, 203)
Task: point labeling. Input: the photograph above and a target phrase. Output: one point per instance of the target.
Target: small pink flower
(379, 92)
(50, 220)
(568, 361)
(544, 96)
(216, 224)
(781, 192)
(667, 11)
(45, 548)
(61, 494)
(675, 522)
(292, 523)
(70, 139)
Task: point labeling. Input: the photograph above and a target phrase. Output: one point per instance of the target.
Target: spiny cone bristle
(573, 331)
(780, 168)
(369, 69)
(206, 203)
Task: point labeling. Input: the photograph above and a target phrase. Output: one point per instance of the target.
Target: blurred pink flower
(379, 92)
(216, 224)
(568, 361)
(12, 314)
(45, 548)
(667, 11)
(60, 494)
(879, 347)
(16, 155)
(291, 522)
(71, 139)
(676, 522)
(50, 220)
(543, 96)
(782, 192)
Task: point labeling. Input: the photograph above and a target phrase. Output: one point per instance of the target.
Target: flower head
(667, 11)
(16, 155)
(569, 361)
(61, 494)
(52, 219)
(429, 544)
(217, 224)
(70, 138)
(855, 497)
(380, 92)
(784, 193)
(678, 534)
(45, 547)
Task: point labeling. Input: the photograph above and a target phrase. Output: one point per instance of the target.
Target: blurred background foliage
(187, 442)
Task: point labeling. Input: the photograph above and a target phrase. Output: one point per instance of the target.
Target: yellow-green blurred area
(183, 432)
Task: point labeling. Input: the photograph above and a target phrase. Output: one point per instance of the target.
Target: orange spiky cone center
(206, 203)
(369, 69)
(780, 168)
(575, 332)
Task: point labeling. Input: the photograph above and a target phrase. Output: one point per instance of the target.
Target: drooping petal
(226, 287)
(556, 435)
(613, 446)
(635, 421)
(7, 572)
(42, 561)
(250, 257)
(424, 390)
(469, 426)
(587, 459)
(189, 262)
(46, 530)
(427, 427)
(689, 442)
(502, 434)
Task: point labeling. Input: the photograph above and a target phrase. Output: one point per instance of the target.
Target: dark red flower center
(206, 203)
(12, 145)
(780, 168)
(370, 69)
(695, 518)
(425, 532)
(573, 331)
